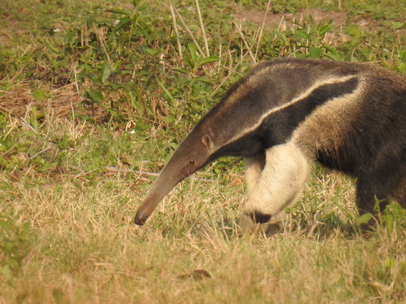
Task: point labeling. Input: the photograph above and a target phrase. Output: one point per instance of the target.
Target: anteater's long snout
(191, 155)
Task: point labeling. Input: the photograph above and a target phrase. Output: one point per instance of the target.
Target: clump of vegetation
(15, 245)
(95, 96)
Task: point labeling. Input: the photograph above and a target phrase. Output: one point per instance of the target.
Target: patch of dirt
(338, 18)
(283, 21)
(63, 101)
(20, 97)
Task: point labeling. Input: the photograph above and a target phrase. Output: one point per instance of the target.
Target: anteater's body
(286, 114)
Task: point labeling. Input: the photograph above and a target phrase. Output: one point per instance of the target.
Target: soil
(18, 100)
(338, 18)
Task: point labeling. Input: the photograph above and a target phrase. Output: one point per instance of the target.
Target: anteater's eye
(192, 161)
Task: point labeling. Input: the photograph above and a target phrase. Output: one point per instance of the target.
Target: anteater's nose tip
(140, 219)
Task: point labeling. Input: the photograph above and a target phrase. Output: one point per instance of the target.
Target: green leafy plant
(15, 245)
(392, 216)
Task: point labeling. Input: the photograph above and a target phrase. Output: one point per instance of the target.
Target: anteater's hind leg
(376, 186)
(274, 180)
(400, 192)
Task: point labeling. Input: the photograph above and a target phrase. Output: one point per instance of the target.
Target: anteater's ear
(207, 142)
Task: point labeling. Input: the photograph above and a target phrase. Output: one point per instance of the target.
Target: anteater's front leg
(279, 183)
(253, 171)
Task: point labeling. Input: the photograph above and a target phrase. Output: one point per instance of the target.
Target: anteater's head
(194, 152)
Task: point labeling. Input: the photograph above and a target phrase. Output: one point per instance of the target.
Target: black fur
(278, 127)
(260, 218)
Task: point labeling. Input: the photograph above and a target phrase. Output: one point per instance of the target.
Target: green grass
(95, 97)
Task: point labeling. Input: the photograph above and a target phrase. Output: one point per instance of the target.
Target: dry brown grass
(85, 248)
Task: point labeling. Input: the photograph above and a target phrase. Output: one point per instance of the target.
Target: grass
(95, 97)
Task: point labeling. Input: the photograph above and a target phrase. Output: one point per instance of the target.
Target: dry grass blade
(202, 28)
(238, 27)
(267, 10)
(189, 31)
(175, 26)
